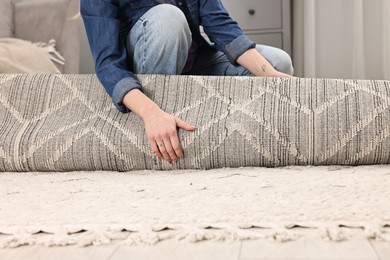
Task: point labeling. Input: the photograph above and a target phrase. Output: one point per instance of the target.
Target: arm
(223, 30)
(230, 39)
(109, 52)
(253, 61)
(108, 49)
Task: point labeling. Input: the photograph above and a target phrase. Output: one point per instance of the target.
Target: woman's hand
(278, 74)
(160, 127)
(161, 130)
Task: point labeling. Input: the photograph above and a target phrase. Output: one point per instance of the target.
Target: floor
(305, 248)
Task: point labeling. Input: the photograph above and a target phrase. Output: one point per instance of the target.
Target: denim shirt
(107, 23)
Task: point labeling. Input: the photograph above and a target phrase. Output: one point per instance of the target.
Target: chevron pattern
(68, 123)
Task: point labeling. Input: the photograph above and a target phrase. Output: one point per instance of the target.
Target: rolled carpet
(68, 123)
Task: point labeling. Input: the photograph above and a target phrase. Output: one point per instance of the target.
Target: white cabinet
(264, 21)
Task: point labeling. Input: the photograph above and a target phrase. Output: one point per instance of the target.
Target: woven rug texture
(68, 123)
(144, 207)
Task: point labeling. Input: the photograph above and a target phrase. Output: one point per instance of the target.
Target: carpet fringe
(105, 235)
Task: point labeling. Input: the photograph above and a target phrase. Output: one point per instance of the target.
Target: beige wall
(341, 38)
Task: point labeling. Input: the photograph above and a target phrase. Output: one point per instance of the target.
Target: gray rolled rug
(68, 123)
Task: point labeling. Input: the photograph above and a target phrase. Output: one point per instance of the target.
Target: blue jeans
(159, 42)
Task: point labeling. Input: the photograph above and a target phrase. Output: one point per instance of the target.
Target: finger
(169, 149)
(176, 145)
(163, 151)
(155, 149)
(186, 126)
(284, 75)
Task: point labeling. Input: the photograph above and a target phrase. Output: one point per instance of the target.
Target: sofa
(41, 21)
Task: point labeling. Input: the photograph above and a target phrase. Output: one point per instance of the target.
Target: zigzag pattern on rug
(68, 123)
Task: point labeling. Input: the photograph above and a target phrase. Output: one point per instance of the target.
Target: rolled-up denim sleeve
(108, 49)
(223, 30)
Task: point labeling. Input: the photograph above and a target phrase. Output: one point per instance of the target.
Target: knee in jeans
(172, 24)
(284, 63)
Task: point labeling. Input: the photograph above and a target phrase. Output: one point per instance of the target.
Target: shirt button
(180, 3)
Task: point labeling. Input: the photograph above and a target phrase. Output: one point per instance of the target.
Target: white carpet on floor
(145, 207)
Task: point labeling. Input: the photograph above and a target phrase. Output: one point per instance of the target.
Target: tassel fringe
(103, 235)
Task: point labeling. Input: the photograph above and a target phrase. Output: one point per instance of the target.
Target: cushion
(42, 20)
(68, 123)
(19, 56)
(6, 18)
(39, 20)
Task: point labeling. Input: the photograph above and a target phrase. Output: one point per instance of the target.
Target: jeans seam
(144, 42)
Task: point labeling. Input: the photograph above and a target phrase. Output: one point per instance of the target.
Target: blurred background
(326, 38)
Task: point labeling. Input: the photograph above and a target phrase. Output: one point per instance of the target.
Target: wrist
(253, 61)
(140, 104)
(149, 110)
(265, 70)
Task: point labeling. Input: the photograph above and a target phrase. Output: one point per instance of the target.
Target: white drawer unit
(264, 21)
